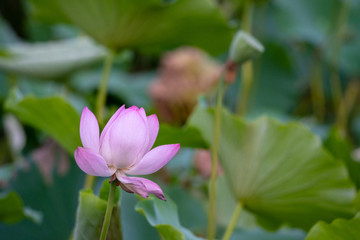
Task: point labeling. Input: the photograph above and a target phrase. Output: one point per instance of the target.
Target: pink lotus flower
(124, 148)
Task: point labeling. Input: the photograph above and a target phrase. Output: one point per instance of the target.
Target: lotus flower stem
(214, 157)
(109, 208)
(234, 218)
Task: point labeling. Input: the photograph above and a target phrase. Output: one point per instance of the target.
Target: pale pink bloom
(123, 149)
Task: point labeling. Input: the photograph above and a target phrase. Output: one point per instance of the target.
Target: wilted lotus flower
(124, 148)
(184, 74)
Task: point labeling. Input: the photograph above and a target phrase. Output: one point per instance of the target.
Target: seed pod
(244, 47)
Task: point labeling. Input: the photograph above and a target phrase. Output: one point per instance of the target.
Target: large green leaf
(11, 208)
(339, 229)
(281, 173)
(247, 227)
(47, 11)
(226, 204)
(150, 23)
(164, 217)
(51, 59)
(53, 115)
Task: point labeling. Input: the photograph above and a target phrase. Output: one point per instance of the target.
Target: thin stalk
(214, 154)
(13, 79)
(247, 73)
(317, 92)
(347, 104)
(246, 21)
(247, 76)
(100, 103)
(234, 218)
(109, 209)
(336, 47)
(335, 89)
(101, 96)
(120, 224)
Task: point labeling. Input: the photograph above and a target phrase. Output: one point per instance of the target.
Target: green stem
(246, 21)
(100, 103)
(120, 224)
(101, 96)
(317, 92)
(109, 208)
(234, 218)
(335, 89)
(334, 71)
(346, 105)
(214, 154)
(247, 74)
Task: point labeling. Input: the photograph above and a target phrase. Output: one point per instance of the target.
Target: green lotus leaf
(53, 115)
(340, 229)
(164, 217)
(47, 11)
(280, 172)
(150, 23)
(50, 60)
